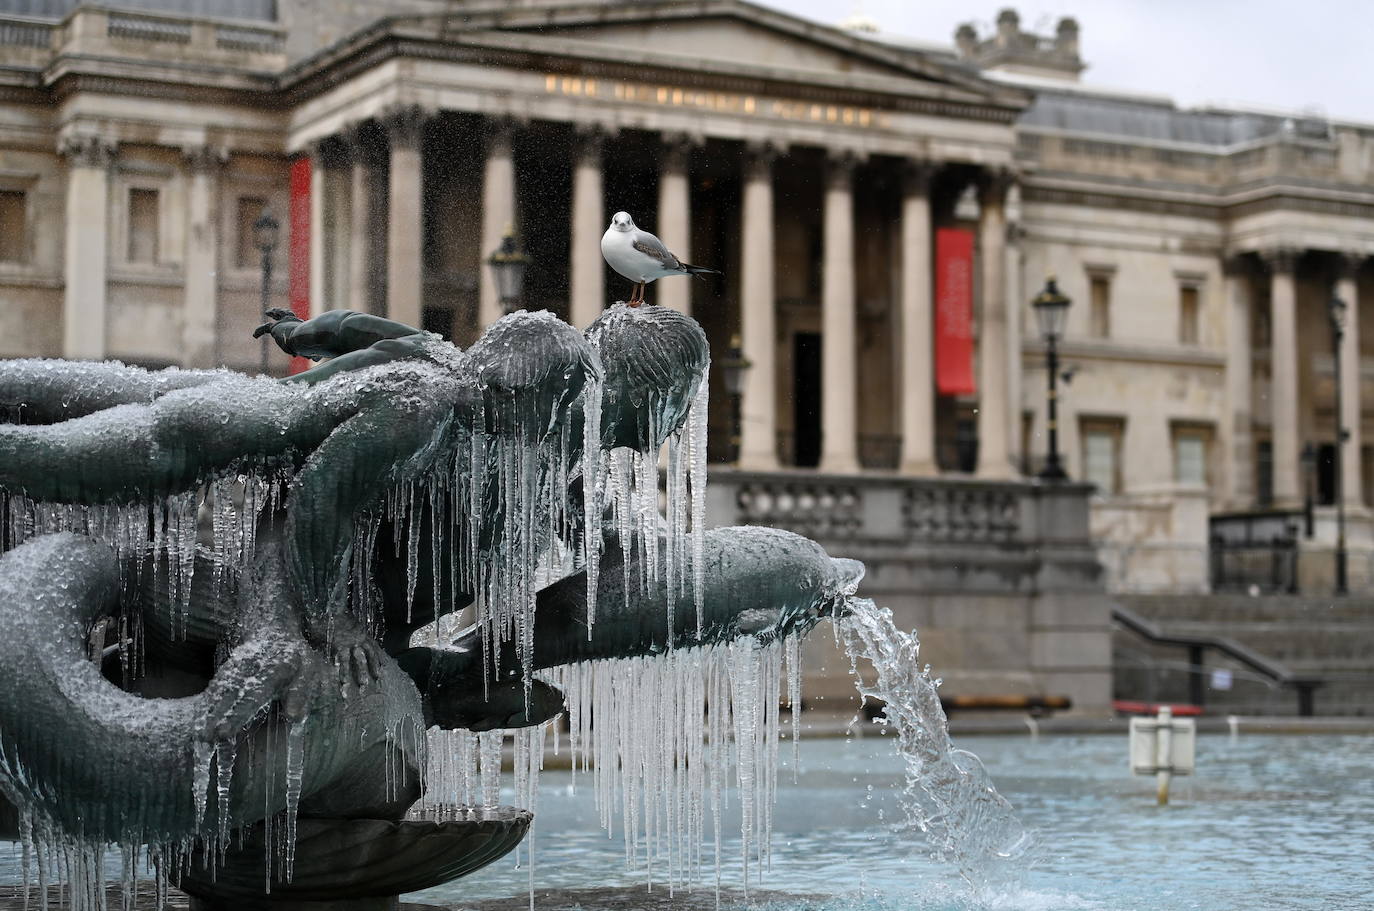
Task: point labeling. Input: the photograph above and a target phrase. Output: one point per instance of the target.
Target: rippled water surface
(1271, 822)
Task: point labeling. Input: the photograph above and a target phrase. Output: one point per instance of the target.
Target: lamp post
(508, 264)
(1309, 474)
(266, 233)
(1335, 309)
(1051, 309)
(733, 368)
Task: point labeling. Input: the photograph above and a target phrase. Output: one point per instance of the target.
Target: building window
(1264, 473)
(1192, 448)
(1188, 316)
(143, 226)
(1100, 305)
(246, 253)
(14, 233)
(1101, 438)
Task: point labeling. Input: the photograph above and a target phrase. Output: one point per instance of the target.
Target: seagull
(641, 257)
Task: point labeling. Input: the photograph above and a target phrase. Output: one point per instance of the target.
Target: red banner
(298, 253)
(954, 312)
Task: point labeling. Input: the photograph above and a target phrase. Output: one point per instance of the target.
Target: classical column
(675, 217)
(758, 420)
(918, 353)
(200, 306)
(839, 403)
(363, 166)
(498, 212)
(1014, 296)
(587, 276)
(405, 216)
(1347, 289)
(994, 454)
(319, 241)
(87, 213)
(1283, 377)
(1240, 484)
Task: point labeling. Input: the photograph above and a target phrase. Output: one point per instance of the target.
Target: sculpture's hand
(257, 674)
(357, 657)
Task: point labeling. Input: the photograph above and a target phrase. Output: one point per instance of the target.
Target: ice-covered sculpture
(226, 600)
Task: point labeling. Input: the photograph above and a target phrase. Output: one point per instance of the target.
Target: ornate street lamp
(508, 264)
(266, 234)
(1051, 309)
(1335, 309)
(733, 369)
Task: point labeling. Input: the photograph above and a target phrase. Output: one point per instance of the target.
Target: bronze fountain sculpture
(211, 587)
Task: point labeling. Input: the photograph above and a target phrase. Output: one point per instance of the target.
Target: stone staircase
(1324, 637)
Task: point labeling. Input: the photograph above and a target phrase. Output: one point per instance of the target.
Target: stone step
(1232, 608)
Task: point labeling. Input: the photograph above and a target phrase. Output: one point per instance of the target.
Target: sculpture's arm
(759, 582)
(383, 352)
(330, 334)
(139, 452)
(47, 391)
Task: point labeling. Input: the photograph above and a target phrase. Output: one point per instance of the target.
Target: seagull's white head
(621, 221)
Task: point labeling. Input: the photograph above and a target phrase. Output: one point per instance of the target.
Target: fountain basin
(358, 864)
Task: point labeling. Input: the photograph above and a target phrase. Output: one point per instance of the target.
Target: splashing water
(948, 795)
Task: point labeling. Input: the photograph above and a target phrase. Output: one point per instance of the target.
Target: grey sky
(1258, 53)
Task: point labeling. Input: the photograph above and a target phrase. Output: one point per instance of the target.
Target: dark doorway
(806, 399)
(1326, 474)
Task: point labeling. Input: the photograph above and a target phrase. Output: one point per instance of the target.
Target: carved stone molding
(88, 151)
(205, 159)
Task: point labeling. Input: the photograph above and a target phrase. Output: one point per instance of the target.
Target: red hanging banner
(298, 251)
(954, 312)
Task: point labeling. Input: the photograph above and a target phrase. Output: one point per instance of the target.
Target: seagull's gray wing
(651, 246)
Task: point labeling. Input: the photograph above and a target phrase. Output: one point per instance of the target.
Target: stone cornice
(1092, 349)
(587, 59)
(1199, 202)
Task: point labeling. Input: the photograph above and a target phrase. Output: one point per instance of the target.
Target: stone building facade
(815, 166)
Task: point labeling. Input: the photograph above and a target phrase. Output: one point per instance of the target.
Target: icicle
(295, 770)
(696, 424)
(202, 754)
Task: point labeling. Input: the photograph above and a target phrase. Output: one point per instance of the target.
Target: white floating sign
(1151, 753)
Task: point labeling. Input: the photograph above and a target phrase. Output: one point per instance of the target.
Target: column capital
(360, 144)
(993, 184)
(839, 167)
(678, 146)
(205, 159)
(1281, 260)
(917, 176)
(759, 155)
(589, 140)
(88, 151)
(1348, 264)
(404, 124)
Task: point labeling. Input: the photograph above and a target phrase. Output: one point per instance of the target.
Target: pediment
(729, 40)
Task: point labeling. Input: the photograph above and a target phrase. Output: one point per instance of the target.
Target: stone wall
(999, 579)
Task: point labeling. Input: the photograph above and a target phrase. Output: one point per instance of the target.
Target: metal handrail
(1196, 645)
